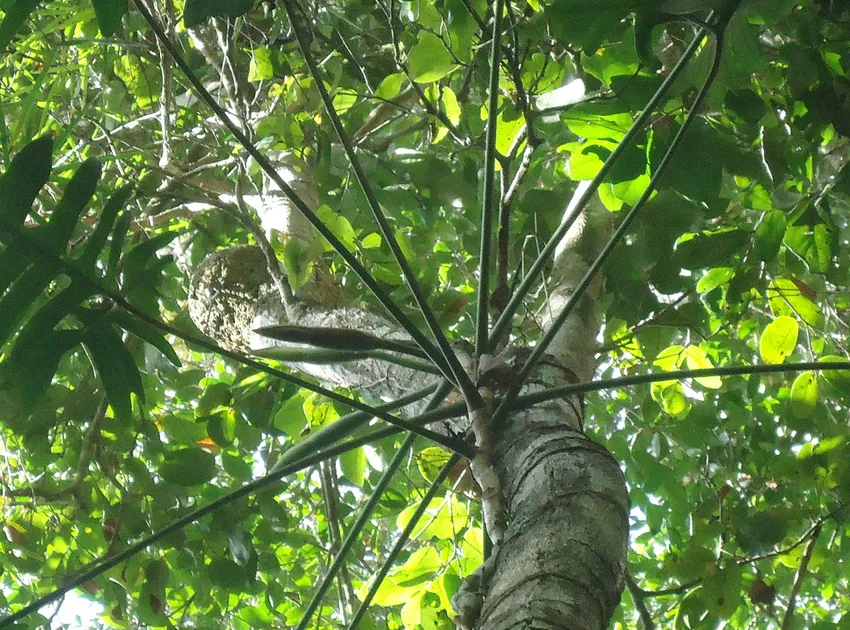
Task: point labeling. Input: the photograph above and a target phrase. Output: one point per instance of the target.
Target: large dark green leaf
(146, 332)
(587, 23)
(710, 249)
(109, 14)
(198, 11)
(115, 367)
(54, 237)
(20, 185)
(188, 467)
(16, 15)
(78, 194)
(141, 272)
(95, 242)
(26, 375)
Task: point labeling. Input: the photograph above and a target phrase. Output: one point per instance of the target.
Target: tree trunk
(561, 563)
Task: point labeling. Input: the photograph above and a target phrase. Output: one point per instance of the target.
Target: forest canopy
(151, 156)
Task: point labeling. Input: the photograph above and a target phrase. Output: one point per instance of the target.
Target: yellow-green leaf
(779, 339)
(261, 68)
(390, 86)
(451, 105)
(443, 519)
(372, 241)
(697, 359)
(431, 460)
(785, 298)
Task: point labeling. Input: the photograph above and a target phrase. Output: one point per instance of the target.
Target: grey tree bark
(561, 562)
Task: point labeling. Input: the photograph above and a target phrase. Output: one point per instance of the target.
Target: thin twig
(640, 602)
(801, 575)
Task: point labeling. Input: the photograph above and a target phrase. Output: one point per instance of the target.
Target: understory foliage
(117, 417)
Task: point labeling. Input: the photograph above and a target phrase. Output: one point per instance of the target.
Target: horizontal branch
(529, 400)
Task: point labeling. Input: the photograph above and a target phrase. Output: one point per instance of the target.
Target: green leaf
(390, 86)
(839, 378)
(430, 60)
(443, 519)
(227, 574)
(115, 367)
(215, 395)
(27, 373)
(587, 23)
(109, 14)
(183, 431)
(147, 333)
(141, 77)
(372, 241)
(717, 277)
(262, 68)
(431, 460)
(672, 398)
(19, 186)
(138, 261)
(598, 121)
(451, 105)
(241, 548)
(222, 428)
(298, 260)
(761, 531)
(22, 294)
(701, 151)
(198, 11)
(97, 239)
(779, 339)
(236, 467)
(804, 395)
(709, 249)
(188, 467)
(769, 235)
(116, 247)
(353, 465)
(406, 581)
(813, 243)
(722, 592)
(16, 15)
(339, 225)
(78, 193)
(645, 22)
(290, 418)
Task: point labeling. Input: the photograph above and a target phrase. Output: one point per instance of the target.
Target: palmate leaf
(37, 331)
